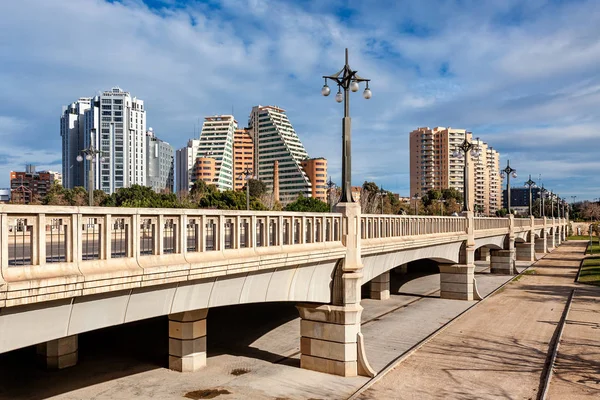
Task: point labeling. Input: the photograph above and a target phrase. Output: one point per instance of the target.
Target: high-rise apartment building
(316, 170)
(71, 132)
(115, 124)
(432, 166)
(243, 156)
(160, 165)
(495, 186)
(275, 140)
(185, 162)
(216, 142)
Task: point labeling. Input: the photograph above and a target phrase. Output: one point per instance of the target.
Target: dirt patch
(205, 394)
(239, 371)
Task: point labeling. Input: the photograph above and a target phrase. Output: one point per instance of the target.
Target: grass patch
(590, 271)
(593, 249)
(527, 272)
(582, 237)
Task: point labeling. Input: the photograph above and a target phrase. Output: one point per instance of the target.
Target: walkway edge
(394, 363)
(549, 365)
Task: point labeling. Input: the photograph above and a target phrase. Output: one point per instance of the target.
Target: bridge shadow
(120, 351)
(422, 277)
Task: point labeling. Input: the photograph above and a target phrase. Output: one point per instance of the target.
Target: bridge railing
(522, 222)
(483, 223)
(538, 221)
(387, 226)
(39, 235)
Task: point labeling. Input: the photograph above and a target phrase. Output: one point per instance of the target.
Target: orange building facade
(316, 170)
(243, 157)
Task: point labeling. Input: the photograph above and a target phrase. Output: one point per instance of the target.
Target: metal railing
(387, 226)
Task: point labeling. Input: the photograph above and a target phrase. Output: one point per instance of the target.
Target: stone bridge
(69, 270)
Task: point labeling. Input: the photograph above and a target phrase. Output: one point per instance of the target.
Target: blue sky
(523, 76)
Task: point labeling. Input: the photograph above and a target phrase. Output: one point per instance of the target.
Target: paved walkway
(498, 349)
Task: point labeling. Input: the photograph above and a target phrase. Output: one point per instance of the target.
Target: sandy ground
(498, 349)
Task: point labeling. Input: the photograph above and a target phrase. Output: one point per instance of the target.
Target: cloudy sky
(522, 75)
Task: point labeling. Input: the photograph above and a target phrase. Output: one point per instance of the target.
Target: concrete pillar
(525, 251)
(328, 340)
(456, 281)
(331, 341)
(187, 340)
(484, 254)
(558, 236)
(541, 245)
(59, 353)
(380, 287)
(502, 261)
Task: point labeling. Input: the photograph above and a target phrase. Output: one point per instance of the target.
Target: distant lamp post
(346, 79)
(382, 192)
(552, 203)
(330, 193)
(530, 184)
(542, 204)
(461, 151)
(90, 156)
(441, 201)
(508, 172)
(247, 174)
(416, 198)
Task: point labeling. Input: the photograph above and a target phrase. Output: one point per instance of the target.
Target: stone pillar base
(329, 338)
(380, 287)
(187, 340)
(525, 251)
(456, 281)
(59, 353)
(502, 262)
(540, 245)
(484, 254)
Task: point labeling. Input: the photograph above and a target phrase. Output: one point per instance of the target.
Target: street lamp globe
(325, 90)
(354, 86)
(102, 159)
(367, 93)
(88, 157)
(79, 158)
(514, 174)
(339, 97)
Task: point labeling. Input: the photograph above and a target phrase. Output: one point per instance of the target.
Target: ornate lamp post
(417, 198)
(508, 172)
(90, 155)
(346, 79)
(330, 192)
(463, 150)
(382, 192)
(542, 204)
(247, 174)
(552, 203)
(530, 184)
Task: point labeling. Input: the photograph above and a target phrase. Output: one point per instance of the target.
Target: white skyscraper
(186, 158)
(115, 123)
(275, 140)
(216, 142)
(71, 131)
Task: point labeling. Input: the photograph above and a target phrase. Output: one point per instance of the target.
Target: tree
(307, 204)
(369, 198)
(257, 187)
(229, 200)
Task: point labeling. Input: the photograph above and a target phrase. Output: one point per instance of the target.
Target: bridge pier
(502, 261)
(456, 281)
(380, 287)
(59, 353)
(541, 245)
(484, 254)
(525, 251)
(187, 340)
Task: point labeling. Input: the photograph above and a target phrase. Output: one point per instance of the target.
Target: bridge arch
(377, 264)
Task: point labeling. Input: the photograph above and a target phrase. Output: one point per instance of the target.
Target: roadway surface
(499, 349)
(253, 351)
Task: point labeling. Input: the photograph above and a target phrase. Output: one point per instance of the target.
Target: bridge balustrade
(34, 236)
(522, 222)
(538, 221)
(483, 223)
(387, 226)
